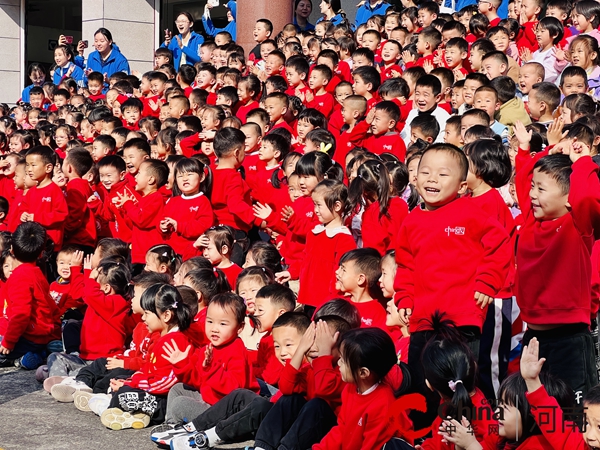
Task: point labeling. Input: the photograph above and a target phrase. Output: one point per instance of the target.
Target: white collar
(331, 232)
(371, 389)
(190, 197)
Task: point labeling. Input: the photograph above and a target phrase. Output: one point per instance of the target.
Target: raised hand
(460, 434)
(208, 354)
(531, 365)
(283, 277)
(408, 57)
(202, 242)
(262, 211)
(555, 132)
(325, 339)
(77, 258)
(522, 135)
(173, 354)
(87, 263)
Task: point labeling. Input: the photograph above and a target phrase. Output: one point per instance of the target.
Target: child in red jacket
(382, 214)
(113, 183)
(239, 413)
(33, 318)
(217, 246)
(214, 370)
(45, 203)
(325, 245)
(145, 214)
(366, 357)
(230, 194)
(446, 232)
(187, 216)
(141, 400)
(105, 295)
(80, 225)
(67, 290)
(377, 132)
(121, 366)
(358, 276)
(560, 227)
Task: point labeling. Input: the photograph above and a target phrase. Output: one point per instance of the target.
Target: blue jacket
(365, 12)
(336, 20)
(116, 62)
(192, 50)
(77, 74)
(309, 26)
(231, 26)
(25, 93)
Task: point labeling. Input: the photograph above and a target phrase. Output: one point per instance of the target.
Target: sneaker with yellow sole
(117, 419)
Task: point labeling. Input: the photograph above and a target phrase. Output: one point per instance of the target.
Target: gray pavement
(31, 419)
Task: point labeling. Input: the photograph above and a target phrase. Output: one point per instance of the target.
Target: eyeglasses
(182, 22)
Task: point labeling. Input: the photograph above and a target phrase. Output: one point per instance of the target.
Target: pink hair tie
(452, 384)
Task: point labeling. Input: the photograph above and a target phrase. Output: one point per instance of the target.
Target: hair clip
(174, 305)
(452, 384)
(164, 254)
(324, 148)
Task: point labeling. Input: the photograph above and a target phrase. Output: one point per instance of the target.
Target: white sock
(213, 437)
(258, 448)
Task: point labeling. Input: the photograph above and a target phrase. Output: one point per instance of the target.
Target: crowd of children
(362, 235)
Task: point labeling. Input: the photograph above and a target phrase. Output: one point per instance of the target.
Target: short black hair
(158, 169)
(548, 93)
(455, 25)
(81, 160)
(132, 103)
(316, 118)
(459, 43)
(455, 152)
(484, 45)
(299, 64)
(369, 75)
(227, 140)
(296, 320)
(430, 7)
(430, 81)
(554, 27)
(428, 125)
(46, 154)
(113, 161)
(233, 302)
(557, 167)
(280, 296)
(325, 71)
(230, 93)
(364, 52)
(390, 108)
(138, 143)
(506, 88)
(28, 242)
(279, 143)
(573, 71)
(107, 141)
(191, 123)
(341, 308)
(187, 73)
(489, 161)
(394, 87)
(368, 262)
(62, 93)
(432, 36)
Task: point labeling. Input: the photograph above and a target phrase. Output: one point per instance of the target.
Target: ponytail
(372, 181)
(449, 366)
(160, 298)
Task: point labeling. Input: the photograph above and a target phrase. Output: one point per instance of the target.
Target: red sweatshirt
(267, 367)
(69, 294)
(528, 39)
(231, 200)
(385, 143)
(363, 422)
(196, 333)
(228, 370)
(49, 208)
(243, 110)
(380, 232)
(387, 72)
(80, 225)
(8, 188)
(105, 316)
(323, 103)
(432, 245)
(118, 221)
(231, 273)
(336, 122)
(15, 210)
(31, 312)
(141, 343)
(493, 204)
(194, 215)
(316, 270)
(372, 314)
(328, 381)
(561, 292)
(483, 424)
(157, 375)
(145, 217)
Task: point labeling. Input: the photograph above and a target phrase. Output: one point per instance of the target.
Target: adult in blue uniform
(368, 9)
(106, 59)
(186, 45)
(332, 11)
(302, 11)
(231, 15)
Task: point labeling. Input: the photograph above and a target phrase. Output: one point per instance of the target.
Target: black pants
(71, 334)
(418, 341)
(294, 423)
(569, 353)
(21, 347)
(494, 350)
(135, 400)
(98, 377)
(236, 416)
(397, 444)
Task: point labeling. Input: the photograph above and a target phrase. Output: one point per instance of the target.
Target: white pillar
(12, 58)
(134, 26)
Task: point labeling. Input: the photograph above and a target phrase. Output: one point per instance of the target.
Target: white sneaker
(64, 391)
(99, 403)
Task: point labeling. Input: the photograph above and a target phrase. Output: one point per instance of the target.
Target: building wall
(133, 24)
(11, 58)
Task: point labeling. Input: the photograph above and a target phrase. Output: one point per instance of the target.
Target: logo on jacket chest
(387, 147)
(47, 199)
(194, 208)
(457, 231)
